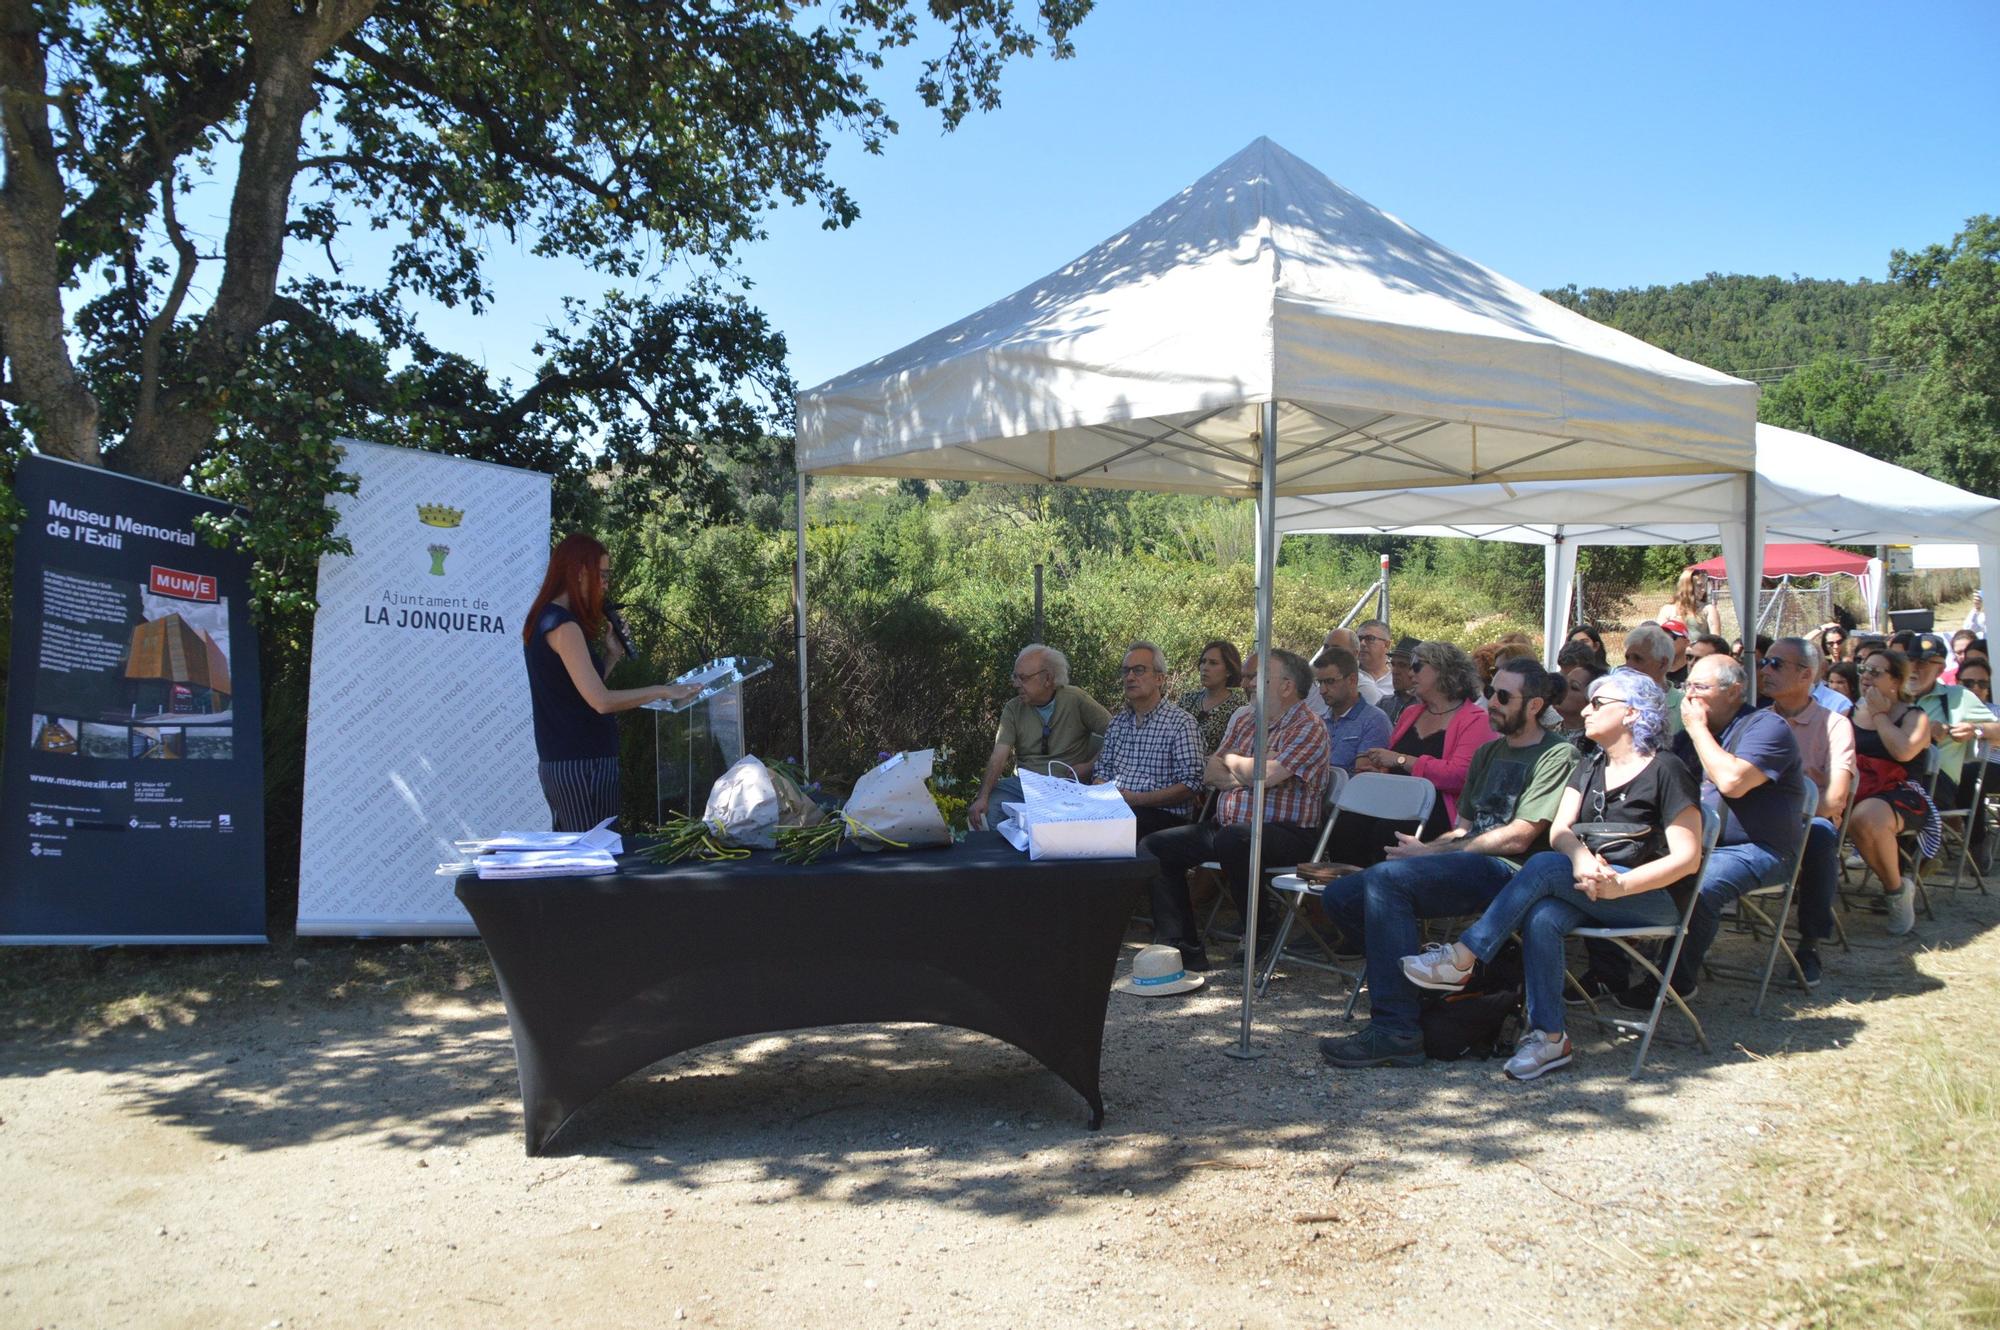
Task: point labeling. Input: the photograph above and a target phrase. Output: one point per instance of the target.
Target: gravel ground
(294, 1160)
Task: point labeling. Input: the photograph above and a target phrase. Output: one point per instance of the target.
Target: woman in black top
(576, 737)
(1640, 880)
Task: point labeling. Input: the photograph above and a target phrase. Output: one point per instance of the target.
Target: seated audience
(1826, 751)
(1220, 670)
(1511, 793)
(1352, 725)
(1636, 882)
(1957, 719)
(1843, 678)
(1580, 669)
(1892, 737)
(1295, 778)
(1649, 649)
(1048, 727)
(1377, 680)
(1152, 748)
(1831, 643)
(1975, 676)
(1750, 774)
(1488, 659)
(1677, 668)
(1589, 634)
(1961, 642)
(1399, 675)
(1708, 644)
(1438, 733)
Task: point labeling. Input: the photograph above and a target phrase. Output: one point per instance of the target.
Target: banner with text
(419, 730)
(133, 798)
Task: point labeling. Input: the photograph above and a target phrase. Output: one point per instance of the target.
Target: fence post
(1038, 605)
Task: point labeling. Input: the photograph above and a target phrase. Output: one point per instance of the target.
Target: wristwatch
(1402, 761)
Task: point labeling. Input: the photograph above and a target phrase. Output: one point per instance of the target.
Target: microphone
(619, 630)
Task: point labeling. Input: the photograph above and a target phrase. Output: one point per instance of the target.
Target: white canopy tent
(1266, 332)
(1807, 490)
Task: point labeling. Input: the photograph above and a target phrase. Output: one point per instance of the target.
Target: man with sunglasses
(1512, 792)
(1958, 717)
(1786, 677)
(1050, 728)
(1750, 774)
(1975, 676)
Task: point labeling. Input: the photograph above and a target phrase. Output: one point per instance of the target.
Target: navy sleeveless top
(566, 727)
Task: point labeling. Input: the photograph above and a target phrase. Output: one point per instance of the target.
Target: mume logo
(438, 515)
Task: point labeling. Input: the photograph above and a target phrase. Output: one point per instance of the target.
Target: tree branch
(151, 346)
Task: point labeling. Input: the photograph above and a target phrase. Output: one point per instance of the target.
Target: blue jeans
(1731, 870)
(1543, 903)
(1380, 908)
(1819, 881)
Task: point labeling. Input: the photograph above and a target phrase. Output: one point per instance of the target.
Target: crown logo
(436, 514)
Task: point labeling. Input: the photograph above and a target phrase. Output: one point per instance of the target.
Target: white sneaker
(1435, 969)
(1852, 859)
(1903, 908)
(1537, 1053)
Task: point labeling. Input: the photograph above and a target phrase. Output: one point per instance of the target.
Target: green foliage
(1949, 333)
(1737, 323)
(1841, 400)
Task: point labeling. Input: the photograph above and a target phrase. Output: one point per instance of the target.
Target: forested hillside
(1751, 327)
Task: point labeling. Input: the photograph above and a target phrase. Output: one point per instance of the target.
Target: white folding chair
(1337, 779)
(1369, 794)
(1674, 935)
(1749, 909)
(1958, 822)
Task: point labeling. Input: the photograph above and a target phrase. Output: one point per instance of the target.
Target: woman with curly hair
(1636, 880)
(1693, 604)
(1437, 734)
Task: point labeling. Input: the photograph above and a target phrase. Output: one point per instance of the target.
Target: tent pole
(799, 615)
(1753, 565)
(1267, 550)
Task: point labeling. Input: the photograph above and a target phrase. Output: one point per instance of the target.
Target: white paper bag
(743, 806)
(894, 802)
(1066, 820)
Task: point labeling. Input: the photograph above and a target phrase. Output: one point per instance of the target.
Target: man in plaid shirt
(1152, 748)
(1295, 780)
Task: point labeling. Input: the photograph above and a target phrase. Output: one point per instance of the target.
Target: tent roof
(1807, 490)
(1798, 561)
(1396, 362)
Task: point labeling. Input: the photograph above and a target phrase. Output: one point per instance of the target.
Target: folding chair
(1750, 910)
(1958, 822)
(1337, 779)
(1674, 935)
(1370, 794)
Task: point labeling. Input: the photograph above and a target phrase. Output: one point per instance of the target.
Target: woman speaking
(576, 738)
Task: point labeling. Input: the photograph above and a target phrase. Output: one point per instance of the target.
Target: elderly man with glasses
(1786, 676)
(1377, 680)
(1750, 774)
(1048, 727)
(1152, 750)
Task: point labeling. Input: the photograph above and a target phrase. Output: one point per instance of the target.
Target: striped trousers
(581, 792)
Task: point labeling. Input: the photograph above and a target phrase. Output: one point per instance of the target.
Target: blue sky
(1601, 144)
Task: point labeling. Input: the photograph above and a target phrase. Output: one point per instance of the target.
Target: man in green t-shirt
(1049, 727)
(1512, 791)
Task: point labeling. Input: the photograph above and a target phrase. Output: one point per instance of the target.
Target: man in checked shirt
(1152, 748)
(1294, 792)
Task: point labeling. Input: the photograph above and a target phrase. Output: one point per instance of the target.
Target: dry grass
(1879, 1205)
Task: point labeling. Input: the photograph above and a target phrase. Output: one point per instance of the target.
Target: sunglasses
(1874, 671)
(1779, 662)
(1503, 696)
(1603, 699)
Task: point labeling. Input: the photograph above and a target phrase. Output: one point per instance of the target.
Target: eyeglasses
(1135, 669)
(1873, 671)
(1416, 665)
(1330, 680)
(1024, 678)
(1700, 688)
(1374, 637)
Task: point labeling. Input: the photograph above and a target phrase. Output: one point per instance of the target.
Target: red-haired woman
(576, 737)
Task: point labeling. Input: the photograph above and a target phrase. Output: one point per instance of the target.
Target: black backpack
(1481, 1020)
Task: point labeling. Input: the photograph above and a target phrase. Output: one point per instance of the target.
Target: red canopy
(1798, 561)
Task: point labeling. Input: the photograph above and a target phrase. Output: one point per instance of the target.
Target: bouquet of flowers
(891, 807)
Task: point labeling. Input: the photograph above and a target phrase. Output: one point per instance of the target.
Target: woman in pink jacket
(1439, 732)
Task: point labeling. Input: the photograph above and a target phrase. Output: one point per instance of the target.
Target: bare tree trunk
(40, 373)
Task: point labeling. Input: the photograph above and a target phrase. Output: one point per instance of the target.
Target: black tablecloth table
(605, 975)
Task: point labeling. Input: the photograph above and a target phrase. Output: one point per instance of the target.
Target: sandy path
(300, 1161)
